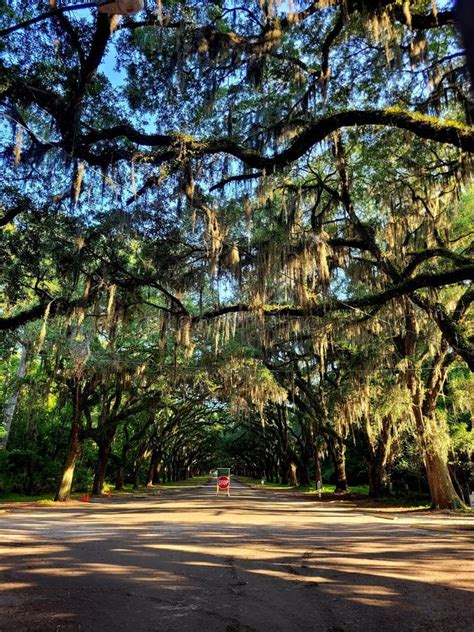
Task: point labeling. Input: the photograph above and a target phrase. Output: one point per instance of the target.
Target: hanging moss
(18, 145)
(42, 335)
(78, 178)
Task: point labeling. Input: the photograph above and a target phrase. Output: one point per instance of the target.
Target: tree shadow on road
(92, 570)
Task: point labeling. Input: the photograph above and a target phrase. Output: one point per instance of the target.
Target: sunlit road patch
(254, 561)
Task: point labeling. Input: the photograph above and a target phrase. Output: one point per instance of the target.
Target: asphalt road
(192, 561)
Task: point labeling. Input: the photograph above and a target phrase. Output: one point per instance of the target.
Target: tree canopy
(268, 205)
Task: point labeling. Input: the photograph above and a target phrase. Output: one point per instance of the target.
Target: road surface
(256, 561)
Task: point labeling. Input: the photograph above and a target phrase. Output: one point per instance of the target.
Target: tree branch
(450, 277)
(423, 126)
(431, 253)
(449, 325)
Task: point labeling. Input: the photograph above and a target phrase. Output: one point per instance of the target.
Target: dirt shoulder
(459, 521)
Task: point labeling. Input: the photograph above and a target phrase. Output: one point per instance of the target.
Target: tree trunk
(430, 435)
(376, 473)
(105, 447)
(157, 472)
(120, 477)
(74, 450)
(460, 482)
(338, 450)
(318, 477)
(136, 475)
(120, 474)
(378, 452)
(304, 474)
(433, 441)
(141, 454)
(151, 474)
(293, 479)
(275, 477)
(443, 494)
(13, 400)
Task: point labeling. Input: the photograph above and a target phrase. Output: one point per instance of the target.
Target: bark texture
(12, 402)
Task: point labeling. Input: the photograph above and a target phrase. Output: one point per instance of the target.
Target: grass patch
(128, 489)
(304, 489)
(412, 502)
(47, 499)
(409, 502)
(196, 481)
(253, 482)
(22, 498)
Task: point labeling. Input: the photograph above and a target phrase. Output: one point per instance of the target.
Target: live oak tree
(243, 169)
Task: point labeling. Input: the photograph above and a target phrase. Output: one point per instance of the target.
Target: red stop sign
(223, 482)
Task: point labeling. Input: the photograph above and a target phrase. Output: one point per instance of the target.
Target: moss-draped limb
(427, 127)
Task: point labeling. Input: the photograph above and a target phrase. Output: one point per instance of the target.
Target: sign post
(223, 480)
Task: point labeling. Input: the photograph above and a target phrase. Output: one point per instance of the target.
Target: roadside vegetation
(237, 236)
(358, 493)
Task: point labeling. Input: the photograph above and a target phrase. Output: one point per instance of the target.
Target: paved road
(252, 562)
